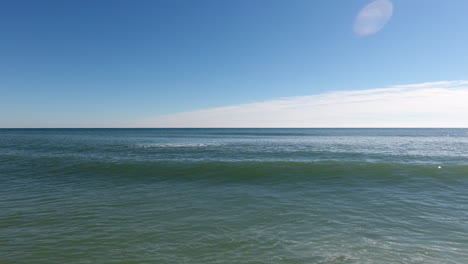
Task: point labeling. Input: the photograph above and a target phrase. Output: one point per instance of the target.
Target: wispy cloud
(436, 104)
(373, 17)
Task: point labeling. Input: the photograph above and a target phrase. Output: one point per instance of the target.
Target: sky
(244, 63)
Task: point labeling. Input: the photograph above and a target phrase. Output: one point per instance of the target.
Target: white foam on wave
(176, 145)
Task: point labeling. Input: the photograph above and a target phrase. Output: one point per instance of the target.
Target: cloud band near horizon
(433, 104)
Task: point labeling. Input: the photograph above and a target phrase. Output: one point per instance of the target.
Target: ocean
(233, 196)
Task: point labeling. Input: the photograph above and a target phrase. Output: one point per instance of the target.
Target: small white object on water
(439, 167)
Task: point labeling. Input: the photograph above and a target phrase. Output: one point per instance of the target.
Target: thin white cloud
(436, 104)
(373, 17)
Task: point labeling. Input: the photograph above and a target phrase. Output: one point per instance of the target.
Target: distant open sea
(205, 196)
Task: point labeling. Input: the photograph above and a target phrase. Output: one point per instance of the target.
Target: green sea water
(233, 196)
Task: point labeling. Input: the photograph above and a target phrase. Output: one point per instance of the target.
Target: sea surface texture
(234, 196)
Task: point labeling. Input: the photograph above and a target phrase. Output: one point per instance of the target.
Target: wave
(269, 171)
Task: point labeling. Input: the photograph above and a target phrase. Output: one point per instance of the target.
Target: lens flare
(373, 17)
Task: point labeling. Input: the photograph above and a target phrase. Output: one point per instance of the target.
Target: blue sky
(110, 63)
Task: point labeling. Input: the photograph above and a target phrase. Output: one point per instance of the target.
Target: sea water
(233, 196)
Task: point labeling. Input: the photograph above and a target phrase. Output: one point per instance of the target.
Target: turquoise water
(234, 196)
